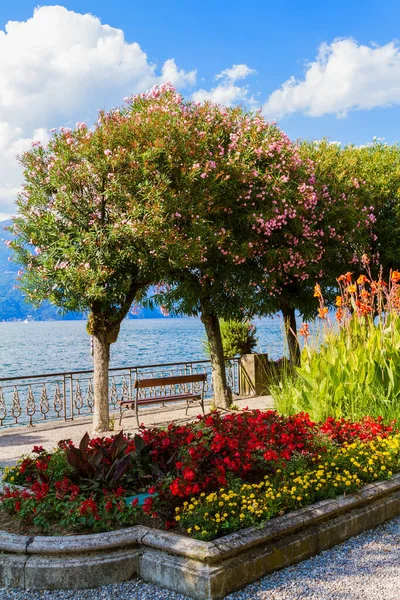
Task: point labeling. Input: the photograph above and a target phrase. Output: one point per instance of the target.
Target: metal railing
(33, 399)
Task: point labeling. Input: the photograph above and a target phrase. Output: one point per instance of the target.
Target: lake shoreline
(59, 346)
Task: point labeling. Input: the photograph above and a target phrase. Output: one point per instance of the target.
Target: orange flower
(364, 294)
(365, 259)
(363, 309)
(362, 279)
(317, 291)
(352, 289)
(304, 331)
(339, 301)
(339, 314)
(395, 276)
(346, 277)
(323, 312)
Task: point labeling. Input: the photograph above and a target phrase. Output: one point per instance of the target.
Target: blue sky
(57, 67)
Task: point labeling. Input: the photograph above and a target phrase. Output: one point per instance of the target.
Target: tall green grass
(351, 372)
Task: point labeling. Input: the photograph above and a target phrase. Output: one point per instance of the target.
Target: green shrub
(238, 337)
(353, 373)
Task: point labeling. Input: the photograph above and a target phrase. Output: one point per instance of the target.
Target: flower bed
(207, 478)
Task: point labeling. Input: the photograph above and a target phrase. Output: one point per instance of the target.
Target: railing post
(71, 395)
(65, 396)
(130, 382)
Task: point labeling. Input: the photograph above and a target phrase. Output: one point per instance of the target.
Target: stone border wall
(202, 570)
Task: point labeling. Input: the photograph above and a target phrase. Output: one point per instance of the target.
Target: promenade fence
(29, 400)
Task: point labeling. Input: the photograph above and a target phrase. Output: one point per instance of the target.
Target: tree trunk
(101, 356)
(222, 393)
(289, 317)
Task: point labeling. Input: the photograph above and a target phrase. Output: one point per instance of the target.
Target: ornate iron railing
(27, 400)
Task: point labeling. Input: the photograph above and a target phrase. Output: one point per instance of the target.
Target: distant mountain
(12, 304)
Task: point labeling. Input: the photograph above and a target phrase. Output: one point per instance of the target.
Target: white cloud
(59, 67)
(236, 72)
(345, 76)
(178, 77)
(227, 92)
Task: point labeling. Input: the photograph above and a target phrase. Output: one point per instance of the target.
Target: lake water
(48, 347)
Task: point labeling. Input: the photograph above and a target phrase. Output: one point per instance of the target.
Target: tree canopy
(213, 203)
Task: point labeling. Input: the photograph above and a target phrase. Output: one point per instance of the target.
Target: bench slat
(161, 399)
(159, 381)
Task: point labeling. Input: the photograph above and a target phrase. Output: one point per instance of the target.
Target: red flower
(148, 504)
(40, 490)
(188, 474)
(88, 507)
(272, 455)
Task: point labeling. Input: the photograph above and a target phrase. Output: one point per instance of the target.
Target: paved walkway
(15, 441)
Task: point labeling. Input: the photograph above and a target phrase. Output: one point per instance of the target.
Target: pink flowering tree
(340, 227)
(97, 219)
(262, 213)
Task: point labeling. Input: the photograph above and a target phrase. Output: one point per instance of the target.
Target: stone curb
(202, 570)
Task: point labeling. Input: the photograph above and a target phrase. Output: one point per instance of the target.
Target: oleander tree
(265, 229)
(97, 218)
(365, 216)
(343, 231)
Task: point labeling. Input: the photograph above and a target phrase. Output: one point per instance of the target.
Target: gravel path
(364, 568)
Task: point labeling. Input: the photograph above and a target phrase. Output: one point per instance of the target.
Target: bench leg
(187, 407)
(137, 415)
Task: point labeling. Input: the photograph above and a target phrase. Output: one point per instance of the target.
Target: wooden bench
(185, 382)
